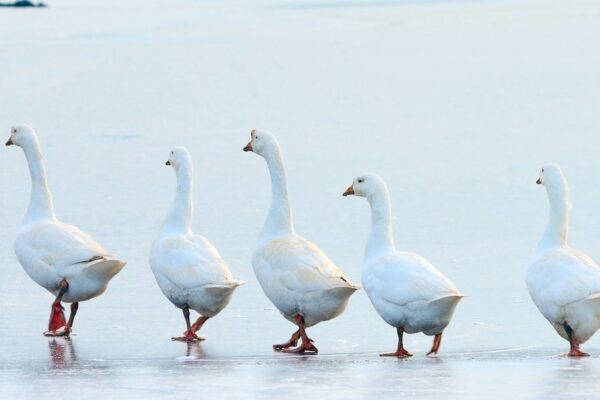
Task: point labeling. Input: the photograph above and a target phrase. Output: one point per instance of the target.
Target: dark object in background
(22, 3)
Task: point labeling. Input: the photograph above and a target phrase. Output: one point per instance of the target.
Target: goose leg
(401, 352)
(290, 343)
(307, 346)
(188, 335)
(57, 325)
(199, 324)
(437, 340)
(575, 351)
(74, 308)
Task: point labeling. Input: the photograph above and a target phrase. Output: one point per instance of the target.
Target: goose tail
(446, 304)
(225, 286)
(105, 269)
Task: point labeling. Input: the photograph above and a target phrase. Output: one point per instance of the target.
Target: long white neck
(558, 221)
(179, 219)
(41, 206)
(380, 239)
(279, 221)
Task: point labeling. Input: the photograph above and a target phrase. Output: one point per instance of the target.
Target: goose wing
(402, 278)
(57, 245)
(563, 276)
(302, 266)
(189, 261)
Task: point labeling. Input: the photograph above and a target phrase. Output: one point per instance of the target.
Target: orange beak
(248, 147)
(348, 191)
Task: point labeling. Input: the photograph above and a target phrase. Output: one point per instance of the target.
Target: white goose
(59, 257)
(298, 278)
(564, 283)
(407, 291)
(187, 267)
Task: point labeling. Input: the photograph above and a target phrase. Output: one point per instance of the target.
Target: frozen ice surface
(455, 103)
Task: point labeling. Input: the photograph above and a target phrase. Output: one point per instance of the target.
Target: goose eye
(360, 180)
(542, 169)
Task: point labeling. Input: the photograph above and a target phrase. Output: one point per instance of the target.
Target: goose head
(179, 158)
(552, 177)
(21, 135)
(365, 185)
(261, 143)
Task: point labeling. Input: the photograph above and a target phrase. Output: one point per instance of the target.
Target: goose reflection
(194, 350)
(569, 376)
(62, 352)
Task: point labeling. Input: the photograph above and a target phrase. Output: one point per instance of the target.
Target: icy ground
(455, 103)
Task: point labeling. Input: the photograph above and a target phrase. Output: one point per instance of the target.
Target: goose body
(299, 279)
(190, 272)
(51, 251)
(295, 274)
(59, 257)
(406, 290)
(188, 268)
(564, 283)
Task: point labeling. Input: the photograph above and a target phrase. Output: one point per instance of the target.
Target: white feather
(50, 250)
(563, 283)
(188, 268)
(294, 273)
(406, 290)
